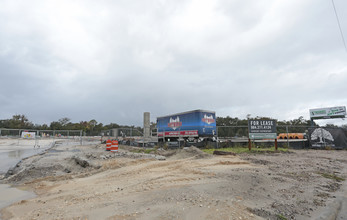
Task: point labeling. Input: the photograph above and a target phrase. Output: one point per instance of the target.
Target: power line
(338, 22)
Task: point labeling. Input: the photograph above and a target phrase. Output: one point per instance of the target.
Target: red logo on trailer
(174, 123)
(192, 133)
(208, 119)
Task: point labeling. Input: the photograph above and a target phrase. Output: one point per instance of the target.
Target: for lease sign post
(262, 129)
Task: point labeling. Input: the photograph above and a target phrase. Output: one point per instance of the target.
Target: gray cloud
(111, 61)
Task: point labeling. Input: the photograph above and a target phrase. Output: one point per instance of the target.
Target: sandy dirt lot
(86, 182)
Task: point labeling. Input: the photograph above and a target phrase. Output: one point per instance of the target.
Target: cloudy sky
(113, 60)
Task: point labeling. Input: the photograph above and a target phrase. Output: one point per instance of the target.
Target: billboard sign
(335, 138)
(26, 134)
(196, 123)
(326, 113)
(262, 129)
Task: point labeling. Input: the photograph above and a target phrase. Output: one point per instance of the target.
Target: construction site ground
(87, 182)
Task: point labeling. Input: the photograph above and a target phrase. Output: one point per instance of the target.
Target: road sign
(326, 113)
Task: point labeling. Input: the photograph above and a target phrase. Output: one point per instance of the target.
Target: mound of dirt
(190, 152)
(166, 153)
(57, 161)
(31, 169)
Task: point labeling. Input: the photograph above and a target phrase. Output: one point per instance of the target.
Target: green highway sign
(326, 113)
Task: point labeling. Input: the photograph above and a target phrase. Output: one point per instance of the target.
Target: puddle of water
(11, 155)
(10, 158)
(10, 195)
(57, 151)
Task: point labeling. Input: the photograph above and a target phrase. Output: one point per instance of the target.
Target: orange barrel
(114, 147)
(108, 144)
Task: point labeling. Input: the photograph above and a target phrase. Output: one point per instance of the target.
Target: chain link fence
(288, 136)
(28, 137)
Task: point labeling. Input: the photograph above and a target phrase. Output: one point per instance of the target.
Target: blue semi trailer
(197, 124)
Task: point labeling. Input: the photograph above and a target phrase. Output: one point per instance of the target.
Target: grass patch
(146, 151)
(149, 151)
(240, 150)
(281, 217)
(332, 176)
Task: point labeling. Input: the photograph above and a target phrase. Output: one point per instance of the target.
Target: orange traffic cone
(114, 147)
(108, 144)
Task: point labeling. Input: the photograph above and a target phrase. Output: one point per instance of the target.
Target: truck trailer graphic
(197, 124)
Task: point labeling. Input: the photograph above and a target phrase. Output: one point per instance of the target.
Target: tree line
(227, 126)
(91, 127)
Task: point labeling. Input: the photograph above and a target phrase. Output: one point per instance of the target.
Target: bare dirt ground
(86, 182)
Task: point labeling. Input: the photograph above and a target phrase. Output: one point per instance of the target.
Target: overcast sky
(113, 60)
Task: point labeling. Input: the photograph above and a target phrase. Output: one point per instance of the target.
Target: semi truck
(196, 125)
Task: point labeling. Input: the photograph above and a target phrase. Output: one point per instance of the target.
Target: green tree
(20, 122)
(92, 124)
(64, 121)
(55, 125)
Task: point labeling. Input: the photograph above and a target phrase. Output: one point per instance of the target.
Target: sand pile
(190, 152)
(67, 162)
(49, 165)
(131, 186)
